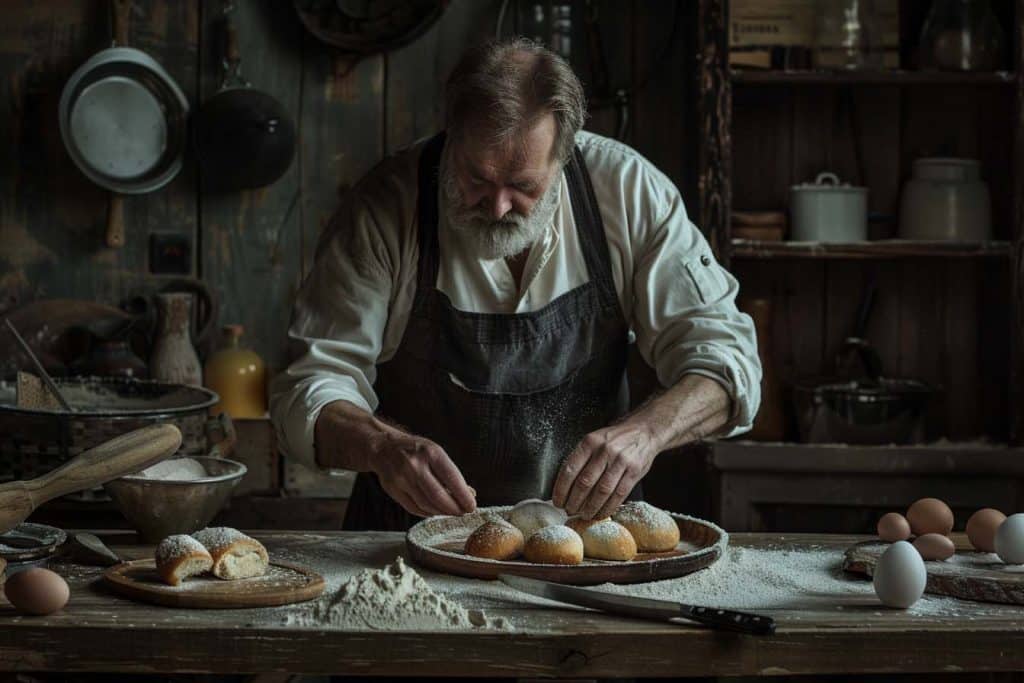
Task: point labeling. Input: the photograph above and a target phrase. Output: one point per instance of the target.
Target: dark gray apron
(529, 386)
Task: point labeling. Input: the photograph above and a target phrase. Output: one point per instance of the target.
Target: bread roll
(531, 515)
(180, 556)
(653, 530)
(604, 539)
(495, 539)
(554, 545)
(235, 555)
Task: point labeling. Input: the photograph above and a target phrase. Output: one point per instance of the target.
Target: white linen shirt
(352, 309)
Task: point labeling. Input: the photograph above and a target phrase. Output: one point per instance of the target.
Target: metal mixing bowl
(158, 508)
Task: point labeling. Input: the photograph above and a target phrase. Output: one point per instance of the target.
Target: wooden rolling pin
(122, 455)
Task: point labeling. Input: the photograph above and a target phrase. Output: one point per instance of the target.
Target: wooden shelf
(880, 249)
(891, 77)
(943, 457)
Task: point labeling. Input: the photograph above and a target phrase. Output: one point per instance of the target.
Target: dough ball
(495, 540)
(653, 530)
(554, 545)
(530, 515)
(604, 539)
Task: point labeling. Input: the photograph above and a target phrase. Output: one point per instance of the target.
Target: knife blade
(643, 608)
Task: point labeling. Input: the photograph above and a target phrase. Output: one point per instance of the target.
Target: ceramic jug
(173, 357)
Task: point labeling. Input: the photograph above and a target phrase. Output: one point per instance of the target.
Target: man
(464, 329)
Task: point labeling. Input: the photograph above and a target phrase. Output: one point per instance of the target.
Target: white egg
(900, 575)
(1009, 540)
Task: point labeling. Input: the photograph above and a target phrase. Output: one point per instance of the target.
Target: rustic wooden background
(253, 248)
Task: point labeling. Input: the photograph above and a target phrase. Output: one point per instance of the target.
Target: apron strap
(427, 218)
(590, 229)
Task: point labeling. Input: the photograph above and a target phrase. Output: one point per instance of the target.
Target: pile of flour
(392, 598)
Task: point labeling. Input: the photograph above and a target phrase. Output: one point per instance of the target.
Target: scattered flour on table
(392, 598)
(774, 579)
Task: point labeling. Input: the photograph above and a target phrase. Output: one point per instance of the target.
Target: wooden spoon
(122, 455)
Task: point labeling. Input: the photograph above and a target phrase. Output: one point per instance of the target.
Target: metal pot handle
(826, 175)
(220, 432)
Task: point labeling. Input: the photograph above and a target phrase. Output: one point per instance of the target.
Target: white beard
(502, 238)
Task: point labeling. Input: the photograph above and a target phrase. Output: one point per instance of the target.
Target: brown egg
(934, 547)
(930, 516)
(981, 529)
(893, 527)
(37, 591)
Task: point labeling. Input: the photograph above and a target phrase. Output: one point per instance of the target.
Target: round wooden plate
(437, 543)
(283, 584)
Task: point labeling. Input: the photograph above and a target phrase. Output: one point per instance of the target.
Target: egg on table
(930, 516)
(893, 527)
(37, 591)
(981, 529)
(1009, 542)
(900, 577)
(934, 547)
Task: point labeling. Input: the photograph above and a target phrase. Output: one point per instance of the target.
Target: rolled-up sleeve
(684, 315)
(336, 330)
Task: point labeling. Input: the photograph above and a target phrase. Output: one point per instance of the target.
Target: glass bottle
(961, 35)
(847, 35)
(238, 375)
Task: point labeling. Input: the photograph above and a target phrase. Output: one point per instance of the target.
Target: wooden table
(101, 632)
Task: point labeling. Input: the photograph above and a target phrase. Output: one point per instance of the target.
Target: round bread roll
(653, 530)
(495, 540)
(604, 539)
(533, 514)
(181, 556)
(554, 545)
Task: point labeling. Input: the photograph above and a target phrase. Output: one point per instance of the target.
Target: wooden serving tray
(969, 574)
(283, 584)
(437, 543)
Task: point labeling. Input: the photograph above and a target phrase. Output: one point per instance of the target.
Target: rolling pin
(122, 455)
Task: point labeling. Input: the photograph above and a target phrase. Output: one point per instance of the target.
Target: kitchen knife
(643, 608)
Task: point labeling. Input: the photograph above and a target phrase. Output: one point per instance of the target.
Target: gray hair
(502, 88)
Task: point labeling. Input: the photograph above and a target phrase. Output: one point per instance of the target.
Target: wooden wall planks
(253, 248)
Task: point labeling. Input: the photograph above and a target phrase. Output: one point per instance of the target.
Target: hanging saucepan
(123, 120)
(245, 137)
(363, 27)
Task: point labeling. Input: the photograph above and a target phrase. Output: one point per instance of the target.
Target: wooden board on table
(968, 575)
(283, 584)
(437, 543)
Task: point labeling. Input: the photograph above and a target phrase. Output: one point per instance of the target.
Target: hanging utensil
(123, 121)
(245, 137)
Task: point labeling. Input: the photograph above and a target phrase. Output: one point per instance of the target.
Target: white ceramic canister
(827, 211)
(946, 199)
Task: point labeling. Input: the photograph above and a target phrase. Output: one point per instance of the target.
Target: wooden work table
(100, 632)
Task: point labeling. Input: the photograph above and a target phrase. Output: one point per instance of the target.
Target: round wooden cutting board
(437, 543)
(969, 575)
(283, 584)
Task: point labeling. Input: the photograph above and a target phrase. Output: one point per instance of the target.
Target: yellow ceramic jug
(238, 375)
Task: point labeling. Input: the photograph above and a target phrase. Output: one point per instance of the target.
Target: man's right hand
(414, 471)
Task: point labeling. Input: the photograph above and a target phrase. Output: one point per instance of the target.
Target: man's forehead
(527, 152)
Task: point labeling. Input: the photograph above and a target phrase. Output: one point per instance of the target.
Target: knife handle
(744, 622)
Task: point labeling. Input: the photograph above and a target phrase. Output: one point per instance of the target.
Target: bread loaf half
(179, 557)
(235, 555)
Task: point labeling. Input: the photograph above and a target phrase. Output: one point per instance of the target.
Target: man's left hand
(603, 469)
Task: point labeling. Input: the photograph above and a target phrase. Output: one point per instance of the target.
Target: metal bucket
(34, 442)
